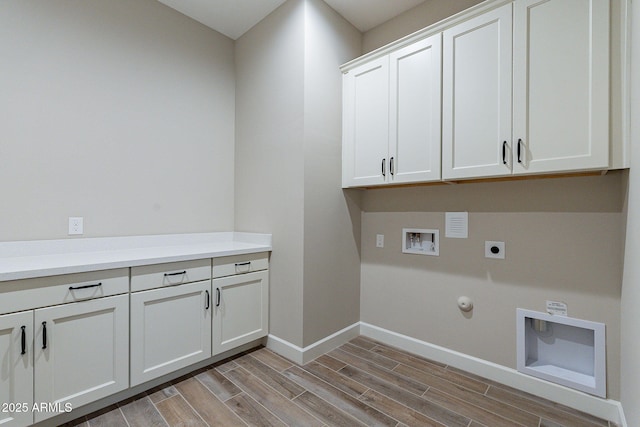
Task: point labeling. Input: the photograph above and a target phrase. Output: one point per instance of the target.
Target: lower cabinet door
(241, 310)
(81, 353)
(16, 369)
(170, 329)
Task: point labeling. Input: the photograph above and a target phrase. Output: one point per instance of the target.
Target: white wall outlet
(379, 240)
(494, 249)
(76, 225)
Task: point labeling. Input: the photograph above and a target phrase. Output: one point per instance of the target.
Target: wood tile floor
(362, 383)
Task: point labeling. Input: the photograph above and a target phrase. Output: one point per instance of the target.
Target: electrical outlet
(494, 250)
(379, 240)
(76, 225)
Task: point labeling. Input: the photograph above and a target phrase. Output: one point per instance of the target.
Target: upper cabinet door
(415, 96)
(476, 106)
(366, 124)
(561, 85)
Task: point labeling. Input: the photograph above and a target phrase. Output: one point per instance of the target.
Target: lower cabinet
(80, 353)
(16, 369)
(170, 329)
(75, 339)
(241, 312)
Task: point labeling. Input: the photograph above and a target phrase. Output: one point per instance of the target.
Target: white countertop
(29, 259)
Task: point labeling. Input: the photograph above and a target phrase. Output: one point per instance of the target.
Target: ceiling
(235, 17)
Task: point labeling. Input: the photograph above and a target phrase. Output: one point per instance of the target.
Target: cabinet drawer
(239, 264)
(39, 292)
(172, 273)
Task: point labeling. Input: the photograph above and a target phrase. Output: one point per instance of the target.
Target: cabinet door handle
(504, 152)
(175, 274)
(391, 163)
(44, 335)
(217, 297)
(384, 171)
(206, 307)
(23, 340)
(519, 149)
(75, 288)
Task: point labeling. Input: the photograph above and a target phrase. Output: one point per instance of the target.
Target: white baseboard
(304, 355)
(603, 408)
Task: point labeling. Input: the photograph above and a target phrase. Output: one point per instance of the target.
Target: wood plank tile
(362, 343)
(431, 410)
(465, 408)
(341, 382)
(161, 393)
(381, 360)
(177, 412)
(432, 368)
(271, 359)
(226, 366)
(108, 417)
(400, 412)
(544, 411)
(480, 400)
(324, 411)
(338, 398)
(141, 413)
(218, 384)
(547, 423)
(390, 376)
(330, 362)
(283, 408)
(551, 404)
(208, 406)
(273, 378)
(252, 412)
(364, 380)
(405, 356)
(80, 422)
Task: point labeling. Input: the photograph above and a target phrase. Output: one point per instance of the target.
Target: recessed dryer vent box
(420, 241)
(563, 350)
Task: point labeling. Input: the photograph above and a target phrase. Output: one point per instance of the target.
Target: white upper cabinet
(508, 88)
(476, 101)
(561, 85)
(415, 93)
(557, 88)
(366, 124)
(392, 117)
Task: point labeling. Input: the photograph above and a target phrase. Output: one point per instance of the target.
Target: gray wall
(121, 112)
(331, 216)
(270, 154)
(288, 151)
(425, 14)
(630, 365)
(564, 241)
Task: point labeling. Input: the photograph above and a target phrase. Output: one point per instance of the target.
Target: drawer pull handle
(75, 288)
(206, 307)
(217, 297)
(23, 340)
(241, 264)
(44, 335)
(179, 273)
